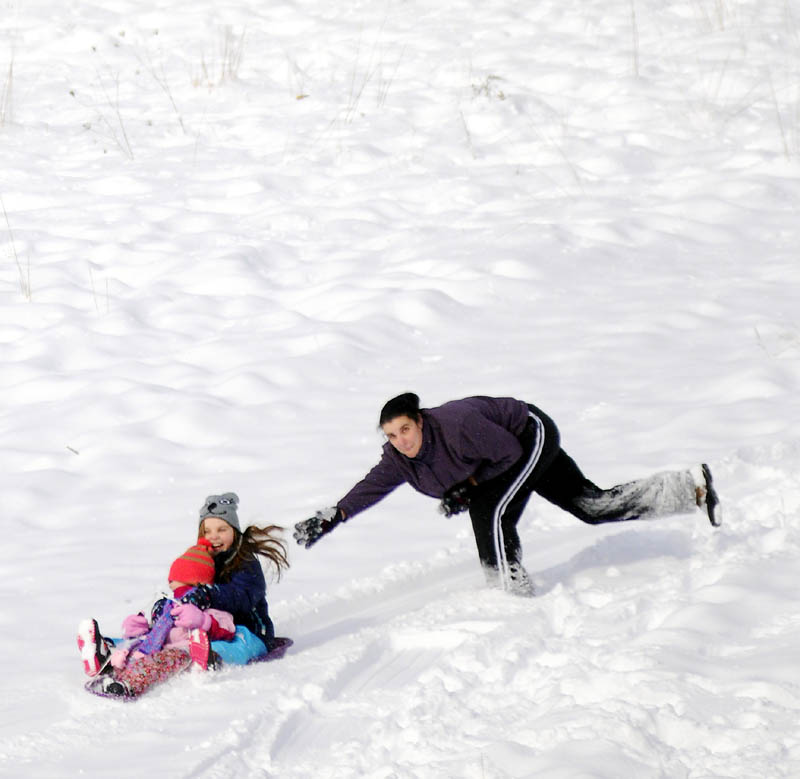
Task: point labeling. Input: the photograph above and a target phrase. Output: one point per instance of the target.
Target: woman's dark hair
(254, 541)
(406, 405)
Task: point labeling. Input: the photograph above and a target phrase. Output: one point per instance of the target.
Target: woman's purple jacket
(471, 437)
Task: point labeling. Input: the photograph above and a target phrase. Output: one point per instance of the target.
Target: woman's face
(219, 533)
(404, 434)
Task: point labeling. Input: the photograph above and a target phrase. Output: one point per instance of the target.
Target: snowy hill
(231, 232)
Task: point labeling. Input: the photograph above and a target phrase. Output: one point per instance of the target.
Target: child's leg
(242, 649)
(144, 671)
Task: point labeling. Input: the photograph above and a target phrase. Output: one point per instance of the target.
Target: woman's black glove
(309, 531)
(456, 499)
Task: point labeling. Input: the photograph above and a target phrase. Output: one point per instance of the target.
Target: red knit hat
(194, 566)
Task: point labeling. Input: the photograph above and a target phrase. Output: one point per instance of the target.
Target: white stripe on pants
(502, 504)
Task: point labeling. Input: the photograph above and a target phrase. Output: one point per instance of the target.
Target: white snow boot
(95, 650)
(519, 583)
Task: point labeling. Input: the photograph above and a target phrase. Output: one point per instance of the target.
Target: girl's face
(404, 434)
(219, 533)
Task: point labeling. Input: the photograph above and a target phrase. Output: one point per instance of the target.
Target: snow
(230, 232)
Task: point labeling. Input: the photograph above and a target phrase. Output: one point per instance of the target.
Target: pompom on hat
(222, 507)
(194, 566)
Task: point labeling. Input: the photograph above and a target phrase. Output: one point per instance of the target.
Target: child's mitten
(135, 625)
(187, 615)
(119, 657)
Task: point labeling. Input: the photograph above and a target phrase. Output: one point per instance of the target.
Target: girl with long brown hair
(239, 584)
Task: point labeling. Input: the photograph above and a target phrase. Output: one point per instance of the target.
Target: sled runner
(280, 645)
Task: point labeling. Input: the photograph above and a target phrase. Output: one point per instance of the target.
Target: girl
(239, 585)
(179, 634)
(487, 456)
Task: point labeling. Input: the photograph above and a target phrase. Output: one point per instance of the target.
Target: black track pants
(496, 505)
(663, 494)
(545, 468)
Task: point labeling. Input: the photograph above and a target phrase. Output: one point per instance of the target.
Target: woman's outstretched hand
(309, 531)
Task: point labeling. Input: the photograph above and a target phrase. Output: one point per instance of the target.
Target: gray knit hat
(222, 507)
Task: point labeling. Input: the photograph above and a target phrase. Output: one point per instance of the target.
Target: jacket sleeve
(219, 633)
(244, 590)
(376, 485)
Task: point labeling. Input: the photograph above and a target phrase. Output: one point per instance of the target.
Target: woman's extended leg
(660, 495)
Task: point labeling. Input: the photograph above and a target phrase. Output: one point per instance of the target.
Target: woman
(487, 456)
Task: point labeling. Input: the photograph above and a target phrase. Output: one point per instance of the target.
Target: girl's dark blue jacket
(243, 593)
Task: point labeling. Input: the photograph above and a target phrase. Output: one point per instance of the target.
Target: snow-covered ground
(230, 231)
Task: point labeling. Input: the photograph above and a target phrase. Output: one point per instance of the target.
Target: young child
(178, 635)
(239, 586)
